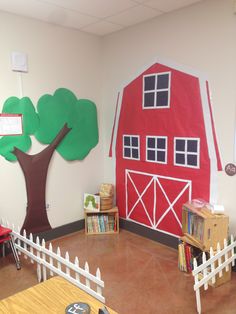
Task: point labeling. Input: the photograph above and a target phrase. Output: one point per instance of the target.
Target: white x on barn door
(156, 201)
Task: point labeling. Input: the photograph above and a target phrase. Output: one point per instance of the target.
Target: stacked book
(195, 225)
(186, 254)
(101, 223)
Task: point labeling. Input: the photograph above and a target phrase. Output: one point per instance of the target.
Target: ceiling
(100, 17)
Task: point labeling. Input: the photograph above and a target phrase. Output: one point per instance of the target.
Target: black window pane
(127, 141)
(180, 159)
(127, 152)
(192, 160)
(162, 99)
(135, 141)
(149, 99)
(163, 81)
(151, 142)
(149, 83)
(192, 146)
(180, 145)
(151, 155)
(135, 153)
(161, 156)
(161, 143)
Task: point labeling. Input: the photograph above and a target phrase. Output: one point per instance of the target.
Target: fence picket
(25, 245)
(44, 259)
(18, 240)
(86, 268)
(77, 276)
(50, 258)
(39, 273)
(31, 248)
(213, 280)
(98, 275)
(219, 259)
(232, 251)
(13, 228)
(67, 258)
(197, 291)
(226, 255)
(204, 270)
(58, 261)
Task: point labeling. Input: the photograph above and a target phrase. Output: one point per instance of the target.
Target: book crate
(202, 228)
(102, 222)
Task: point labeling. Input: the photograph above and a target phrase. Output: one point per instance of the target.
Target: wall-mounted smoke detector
(19, 62)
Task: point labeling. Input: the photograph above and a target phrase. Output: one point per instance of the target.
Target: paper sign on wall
(10, 124)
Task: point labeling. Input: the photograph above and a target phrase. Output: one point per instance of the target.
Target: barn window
(131, 146)
(186, 152)
(156, 91)
(156, 149)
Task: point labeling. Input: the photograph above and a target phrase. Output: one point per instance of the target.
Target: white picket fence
(50, 263)
(207, 271)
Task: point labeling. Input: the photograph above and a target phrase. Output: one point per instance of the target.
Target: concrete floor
(141, 276)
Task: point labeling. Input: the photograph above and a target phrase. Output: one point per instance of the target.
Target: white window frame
(130, 146)
(186, 153)
(157, 149)
(155, 90)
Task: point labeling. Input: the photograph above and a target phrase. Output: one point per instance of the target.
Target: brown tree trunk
(35, 168)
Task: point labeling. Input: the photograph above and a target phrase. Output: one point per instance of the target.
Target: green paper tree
(63, 122)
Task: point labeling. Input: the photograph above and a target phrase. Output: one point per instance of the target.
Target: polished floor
(140, 275)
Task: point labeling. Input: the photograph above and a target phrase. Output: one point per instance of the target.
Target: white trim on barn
(156, 90)
(186, 152)
(210, 140)
(131, 147)
(155, 179)
(156, 149)
(116, 125)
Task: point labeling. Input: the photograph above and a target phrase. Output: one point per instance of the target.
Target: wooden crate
(204, 229)
(95, 222)
(226, 277)
(106, 203)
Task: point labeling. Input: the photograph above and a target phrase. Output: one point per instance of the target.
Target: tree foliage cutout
(64, 123)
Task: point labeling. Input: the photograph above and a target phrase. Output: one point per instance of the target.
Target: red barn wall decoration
(165, 146)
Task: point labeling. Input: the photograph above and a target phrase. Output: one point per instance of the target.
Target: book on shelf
(194, 224)
(202, 228)
(186, 254)
(101, 223)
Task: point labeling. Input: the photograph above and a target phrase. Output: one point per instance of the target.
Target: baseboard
(61, 230)
(124, 224)
(151, 234)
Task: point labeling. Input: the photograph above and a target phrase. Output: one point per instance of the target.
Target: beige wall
(57, 57)
(202, 37)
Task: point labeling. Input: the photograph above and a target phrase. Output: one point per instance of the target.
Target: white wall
(57, 57)
(202, 37)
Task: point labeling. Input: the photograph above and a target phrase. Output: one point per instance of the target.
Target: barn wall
(202, 37)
